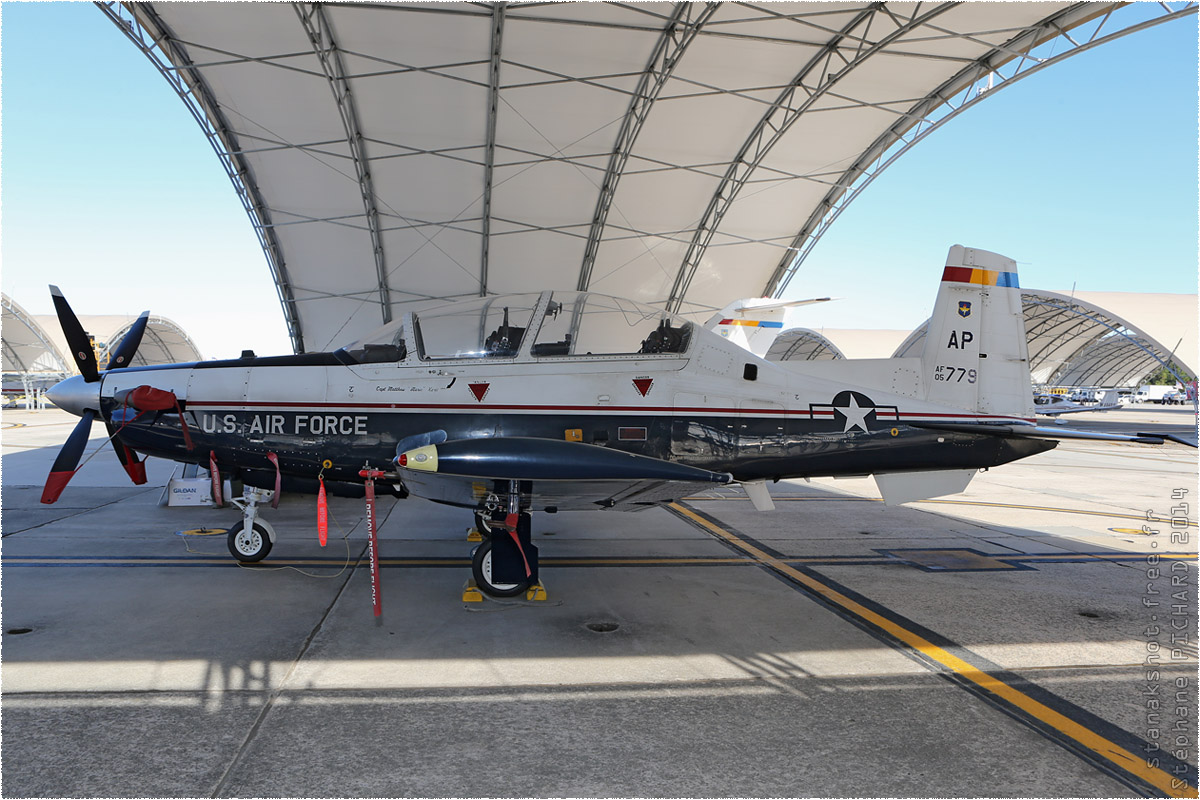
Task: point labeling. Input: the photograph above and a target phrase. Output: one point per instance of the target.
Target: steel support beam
(489, 157)
(841, 55)
(320, 34)
(150, 34)
(953, 97)
(680, 31)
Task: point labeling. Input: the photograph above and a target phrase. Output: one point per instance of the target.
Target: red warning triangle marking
(479, 390)
(643, 385)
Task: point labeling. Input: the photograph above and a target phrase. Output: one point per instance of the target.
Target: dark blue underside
(749, 448)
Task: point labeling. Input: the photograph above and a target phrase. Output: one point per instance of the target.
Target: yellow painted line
(1142, 517)
(1118, 755)
(1114, 514)
(1101, 556)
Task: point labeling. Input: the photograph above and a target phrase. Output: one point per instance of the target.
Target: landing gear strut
(505, 564)
(251, 539)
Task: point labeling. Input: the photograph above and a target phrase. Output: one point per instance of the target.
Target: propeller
(77, 338)
(85, 401)
(129, 344)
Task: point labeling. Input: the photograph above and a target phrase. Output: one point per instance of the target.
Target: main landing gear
(505, 563)
(250, 540)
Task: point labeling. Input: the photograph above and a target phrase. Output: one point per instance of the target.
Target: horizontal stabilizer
(1039, 432)
(1173, 437)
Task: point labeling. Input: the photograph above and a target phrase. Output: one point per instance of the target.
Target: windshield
(382, 344)
(487, 327)
(584, 324)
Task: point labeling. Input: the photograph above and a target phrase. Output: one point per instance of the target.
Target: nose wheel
(249, 544)
(250, 539)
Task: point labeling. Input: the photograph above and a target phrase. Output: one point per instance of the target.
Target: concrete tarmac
(1013, 640)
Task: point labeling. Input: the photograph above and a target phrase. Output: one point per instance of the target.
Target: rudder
(976, 355)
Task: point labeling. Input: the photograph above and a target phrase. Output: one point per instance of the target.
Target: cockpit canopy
(550, 324)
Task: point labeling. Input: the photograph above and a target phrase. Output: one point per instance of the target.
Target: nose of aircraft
(75, 395)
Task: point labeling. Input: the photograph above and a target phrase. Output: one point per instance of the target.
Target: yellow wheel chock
(471, 593)
(473, 535)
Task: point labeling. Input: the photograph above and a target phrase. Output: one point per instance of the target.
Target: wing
(1052, 412)
(556, 473)
(1039, 432)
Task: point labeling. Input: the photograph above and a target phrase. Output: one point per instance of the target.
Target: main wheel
(249, 547)
(481, 570)
(483, 524)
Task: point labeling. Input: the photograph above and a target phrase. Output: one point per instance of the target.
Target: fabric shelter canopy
(682, 155)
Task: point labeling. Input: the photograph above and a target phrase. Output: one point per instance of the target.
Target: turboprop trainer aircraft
(560, 401)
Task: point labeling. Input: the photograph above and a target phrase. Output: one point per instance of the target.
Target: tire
(250, 548)
(481, 570)
(483, 525)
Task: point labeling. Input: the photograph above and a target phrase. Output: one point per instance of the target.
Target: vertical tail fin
(976, 354)
(754, 323)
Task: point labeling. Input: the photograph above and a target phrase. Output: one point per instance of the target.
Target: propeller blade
(77, 340)
(135, 467)
(68, 458)
(129, 345)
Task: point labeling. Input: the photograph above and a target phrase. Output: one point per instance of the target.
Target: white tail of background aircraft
(753, 323)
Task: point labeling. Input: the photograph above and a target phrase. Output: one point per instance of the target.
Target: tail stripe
(980, 277)
(751, 323)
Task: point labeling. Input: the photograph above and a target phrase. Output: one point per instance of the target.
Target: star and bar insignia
(854, 408)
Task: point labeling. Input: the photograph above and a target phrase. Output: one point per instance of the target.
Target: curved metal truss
(162, 333)
(320, 33)
(680, 31)
(1076, 343)
(803, 344)
(28, 353)
(680, 154)
(1002, 67)
(155, 40)
(845, 52)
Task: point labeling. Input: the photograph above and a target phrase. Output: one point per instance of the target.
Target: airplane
(1055, 405)
(560, 401)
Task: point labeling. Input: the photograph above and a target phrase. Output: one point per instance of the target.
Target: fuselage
(703, 402)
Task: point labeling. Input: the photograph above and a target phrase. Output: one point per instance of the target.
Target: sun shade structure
(164, 342)
(682, 155)
(1101, 338)
(804, 344)
(28, 349)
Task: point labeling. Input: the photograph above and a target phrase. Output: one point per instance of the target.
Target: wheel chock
(471, 593)
(473, 535)
(535, 592)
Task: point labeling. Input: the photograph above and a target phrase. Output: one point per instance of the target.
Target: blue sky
(1085, 173)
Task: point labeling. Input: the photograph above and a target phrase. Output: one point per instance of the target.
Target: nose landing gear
(250, 541)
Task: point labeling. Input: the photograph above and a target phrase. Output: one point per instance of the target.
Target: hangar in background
(1080, 339)
(35, 350)
(32, 359)
(682, 154)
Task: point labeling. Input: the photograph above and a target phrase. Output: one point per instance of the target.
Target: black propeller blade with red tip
(68, 458)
